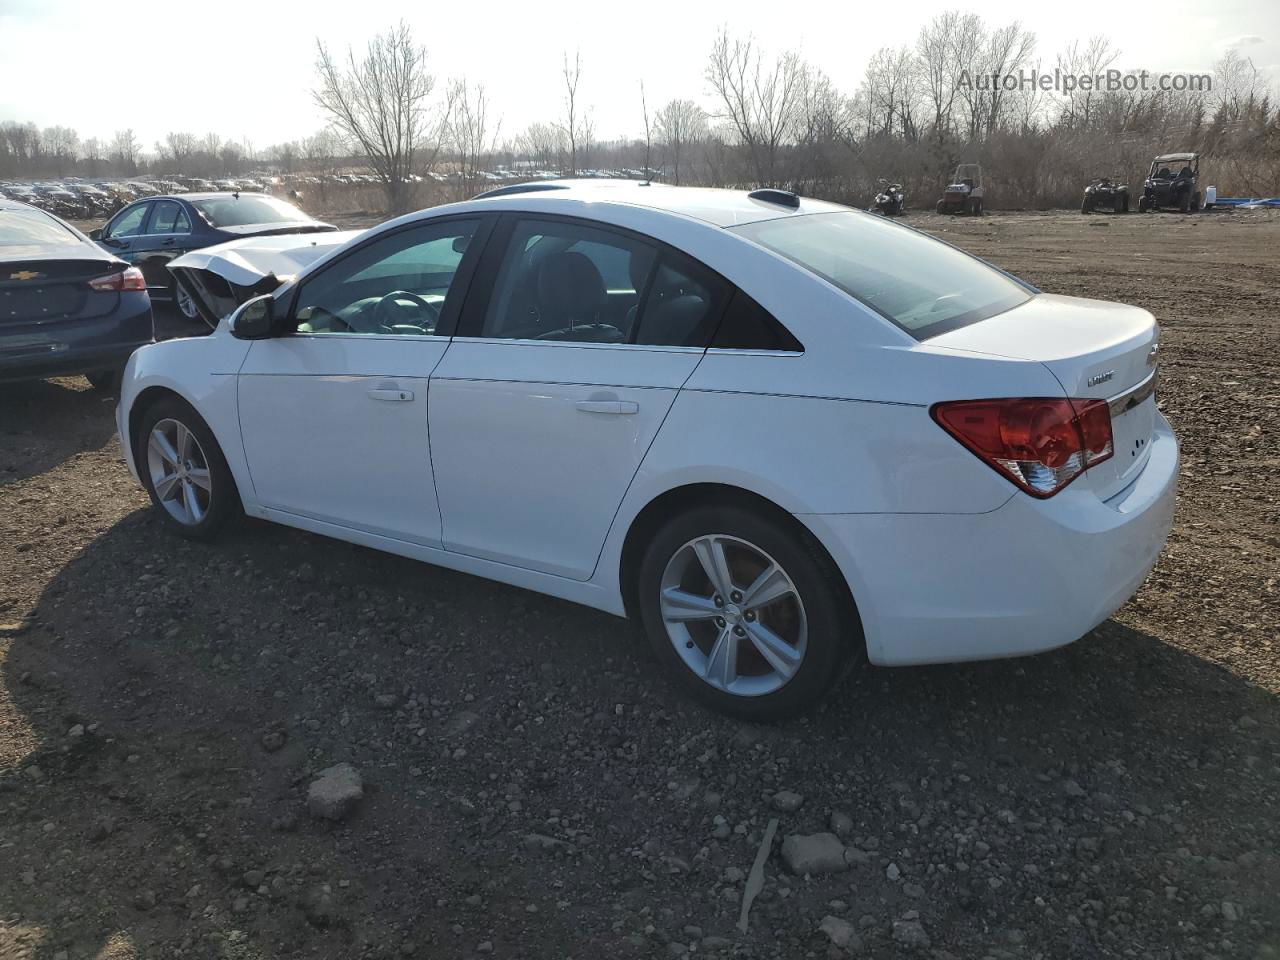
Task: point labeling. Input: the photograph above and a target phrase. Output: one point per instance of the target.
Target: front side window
(397, 285)
(164, 219)
(129, 223)
(923, 286)
(566, 281)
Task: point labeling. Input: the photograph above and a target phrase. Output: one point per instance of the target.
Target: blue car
(148, 233)
(66, 306)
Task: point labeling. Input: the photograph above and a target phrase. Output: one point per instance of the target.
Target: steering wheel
(380, 309)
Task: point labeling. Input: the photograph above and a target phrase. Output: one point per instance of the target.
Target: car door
(165, 237)
(124, 229)
(334, 412)
(573, 348)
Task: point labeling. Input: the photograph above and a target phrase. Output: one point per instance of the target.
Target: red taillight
(130, 279)
(1040, 443)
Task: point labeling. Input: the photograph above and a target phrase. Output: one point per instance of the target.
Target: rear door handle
(392, 395)
(622, 407)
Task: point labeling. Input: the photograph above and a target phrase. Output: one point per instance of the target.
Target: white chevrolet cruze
(778, 432)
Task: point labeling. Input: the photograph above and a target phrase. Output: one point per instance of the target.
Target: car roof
(723, 208)
(1174, 156)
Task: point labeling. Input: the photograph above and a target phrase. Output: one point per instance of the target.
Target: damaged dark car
(152, 232)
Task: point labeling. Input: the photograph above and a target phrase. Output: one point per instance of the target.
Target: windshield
(238, 211)
(920, 284)
(21, 229)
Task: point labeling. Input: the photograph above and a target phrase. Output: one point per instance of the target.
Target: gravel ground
(522, 782)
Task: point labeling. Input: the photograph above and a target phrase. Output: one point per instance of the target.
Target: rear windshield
(18, 228)
(920, 284)
(245, 209)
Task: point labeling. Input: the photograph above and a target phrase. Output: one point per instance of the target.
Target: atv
(889, 199)
(1172, 182)
(1104, 193)
(964, 193)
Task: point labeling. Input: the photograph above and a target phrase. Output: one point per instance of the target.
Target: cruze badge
(1103, 377)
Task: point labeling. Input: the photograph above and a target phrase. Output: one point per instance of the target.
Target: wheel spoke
(166, 487)
(710, 552)
(183, 437)
(191, 502)
(722, 661)
(161, 445)
(678, 605)
(783, 657)
(771, 585)
(199, 476)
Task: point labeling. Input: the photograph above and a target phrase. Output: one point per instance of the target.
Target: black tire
(222, 505)
(942, 206)
(1144, 205)
(106, 381)
(1120, 204)
(1184, 202)
(1085, 206)
(975, 207)
(834, 632)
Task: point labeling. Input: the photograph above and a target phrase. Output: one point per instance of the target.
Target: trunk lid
(1096, 350)
(39, 289)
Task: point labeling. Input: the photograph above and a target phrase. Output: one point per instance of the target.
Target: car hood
(271, 229)
(246, 262)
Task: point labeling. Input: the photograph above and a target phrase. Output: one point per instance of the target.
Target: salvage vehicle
(151, 232)
(1105, 193)
(66, 307)
(1172, 182)
(964, 194)
(889, 199)
(782, 434)
(220, 278)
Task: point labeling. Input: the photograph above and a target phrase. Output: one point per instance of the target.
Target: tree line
(764, 118)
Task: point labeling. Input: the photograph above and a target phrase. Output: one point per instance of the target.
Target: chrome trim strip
(1134, 396)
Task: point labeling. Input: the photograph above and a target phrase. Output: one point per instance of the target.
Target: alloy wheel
(733, 615)
(179, 472)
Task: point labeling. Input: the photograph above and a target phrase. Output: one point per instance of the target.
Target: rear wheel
(1121, 204)
(747, 613)
(186, 306)
(942, 206)
(1144, 205)
(1085, 206)
(975, 206)
(1184, 202)
(184, 470)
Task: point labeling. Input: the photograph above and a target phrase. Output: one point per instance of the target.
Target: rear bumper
(67, 347)
(1029, 576)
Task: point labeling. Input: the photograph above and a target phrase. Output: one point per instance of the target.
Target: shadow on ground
(1116, 795)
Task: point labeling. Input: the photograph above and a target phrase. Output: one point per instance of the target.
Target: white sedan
(778, 432)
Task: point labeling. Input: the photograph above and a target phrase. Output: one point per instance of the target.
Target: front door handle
(392, 395)
(622, 407)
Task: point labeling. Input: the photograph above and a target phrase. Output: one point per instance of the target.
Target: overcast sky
(245, 69)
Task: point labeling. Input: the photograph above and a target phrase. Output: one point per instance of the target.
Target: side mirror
(95, 233)
(252, 321)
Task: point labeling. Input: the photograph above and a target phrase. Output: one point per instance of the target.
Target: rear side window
(748, 326)
(922, 285)
(164, 218)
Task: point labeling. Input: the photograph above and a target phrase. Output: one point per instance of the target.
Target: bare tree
(176, 150)
(543, 144)
(1092, 59)
(124, 152)
(680, 125)
(761, 103)
(380, 103)
(1237, 85)
(470, 133)
(944, 49)
(572, 125)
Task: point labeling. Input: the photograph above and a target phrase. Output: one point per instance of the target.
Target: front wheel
(184, 470)
(746, 612)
